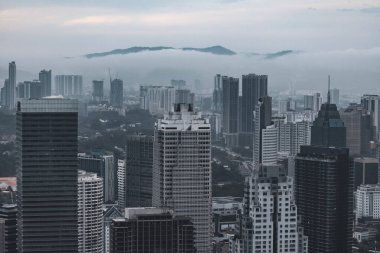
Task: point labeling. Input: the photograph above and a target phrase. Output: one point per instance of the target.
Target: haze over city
(339, 38)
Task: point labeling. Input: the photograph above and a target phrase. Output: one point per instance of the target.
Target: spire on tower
(328, 91)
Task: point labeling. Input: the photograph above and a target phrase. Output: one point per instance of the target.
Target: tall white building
(368, 201)
(12, 86)
(90, 213)
(121, 184)
(157, 99)
(291, 135)
(270, 219)
(265, 134)
(69, 85)
(334, 94)
(182, 169)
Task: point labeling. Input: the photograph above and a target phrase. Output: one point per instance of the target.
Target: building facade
(253, 87)
(182, 170)
(69, 85)
(90, 213)
(116, 95)
(149, 230)
(47, 175)
(45, 79)
(8, 228)
(230, 123)
(138, 172)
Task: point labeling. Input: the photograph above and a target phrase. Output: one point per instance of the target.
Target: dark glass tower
(324, 185)
(45, 79)
(139, 164)
(47, 175)
(230, 124)
(253, 88)
(151, 230)
(116, 95)
(328, 129)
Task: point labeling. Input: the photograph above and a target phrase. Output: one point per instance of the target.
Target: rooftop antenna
(328, 91)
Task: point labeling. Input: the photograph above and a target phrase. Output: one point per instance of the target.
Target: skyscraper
(265, 135)
(8, 228)
(334, 93)
(47, 175)
(217, 97)
(270, 219)
(29, 89)
(116, 95)
(45, 79)
(151, 230)
(317, 100)
(182, 170)
(328, 129)
(230, 124)
(308, 102)
(90, 213)
(253, 88)
(372, 104)
(12, 86)
(324, 185)
(138, 171)
(97, 90)
(158, 100)
(69, 85)
(359, 128)
(104, 167)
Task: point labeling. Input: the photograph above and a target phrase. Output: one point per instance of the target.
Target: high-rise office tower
(158, 100)
(317, 101)
(328, 129)
(292, 135)
(217, 96)
(324, 185)
(230, 123)
(270, 220)
(367, 201)
(4, 93)
(45, 79)
(8, 228)
(253, 88)
(157, 230)
(12, 86)
(104, 167)
(308, 102)
(334, 93)
(365, 171)
(11, 95)
(97, 90)
(30, 89)
(121, 185)
(90, 213)
(184, 96)
(116, 95)
(359, 129)
(372, 104)
(69, 85)
(265, 134)
(182, 170)
(47, 175)
(138, 171)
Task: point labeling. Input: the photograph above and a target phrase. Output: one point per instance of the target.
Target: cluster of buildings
(68, 86)
(312, 185)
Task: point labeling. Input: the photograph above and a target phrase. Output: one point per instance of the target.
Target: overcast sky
(70, 28)
(338, 37)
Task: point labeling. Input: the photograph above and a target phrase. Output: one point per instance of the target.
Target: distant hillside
(216, 50)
